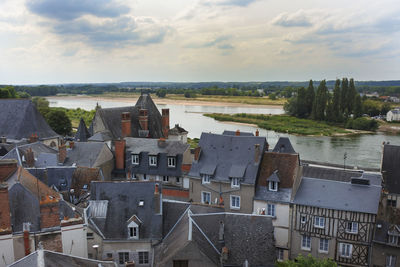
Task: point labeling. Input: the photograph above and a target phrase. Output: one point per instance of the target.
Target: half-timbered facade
(334, 219)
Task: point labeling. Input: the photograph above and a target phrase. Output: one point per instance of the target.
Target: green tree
(4, 93)
(42, 105)
(301, 103)
(351, 94)
(59, 121)
(343, 95)
(321, 99)
(310, 96)
(357, 107)
(23, 95)
(161, 93)
(337, 115)
(330, 115)
(308, 261)
(272, 96)
(385, 108)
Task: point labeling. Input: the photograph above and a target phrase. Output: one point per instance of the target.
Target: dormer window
(133, 232)
(153, 160)
(272, 186)
(393, 239)
(235, 182)
(135, 159)
(206, 178)
(171, 162)
(133, 226)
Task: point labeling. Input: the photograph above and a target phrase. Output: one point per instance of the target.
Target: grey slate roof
(274, 177)
(330, 173)
(82, 134)
(381, 234)
(26, 120)
(227, 132)
(51, 258)
(101, 137)
(226, 152)
(391, 168)
(58, 176)
(86, 154)
(338, 195)
(282, 195)
(123, 199)
(38, 149)
(284, 146)
(146, 146)
(111, 118)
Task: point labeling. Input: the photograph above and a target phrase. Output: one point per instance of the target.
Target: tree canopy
(308, 261)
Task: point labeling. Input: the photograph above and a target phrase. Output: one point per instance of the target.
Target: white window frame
(148, 257)
(323, 245)
(353, 229)
(134, 229)
(271, 210)
(203, 193)
(205, 178)
(273, 186)
(235, 182)
(171, 162)
(317, 222)
(390, 261)
(345, 250)
(234, 202)
(303, 219)
(306, 242)
(135, 159)
(165, 178)
(153, 160)
(393, 239)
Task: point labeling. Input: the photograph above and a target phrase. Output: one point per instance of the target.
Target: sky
(79, 41)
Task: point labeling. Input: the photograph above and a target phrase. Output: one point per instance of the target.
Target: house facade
(393, 115)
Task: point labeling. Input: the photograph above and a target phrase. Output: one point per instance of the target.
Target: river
(363, 151)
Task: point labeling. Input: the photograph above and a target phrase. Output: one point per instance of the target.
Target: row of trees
(10, 92)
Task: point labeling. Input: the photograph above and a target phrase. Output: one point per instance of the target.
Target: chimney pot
(237, 133)
(30, 158)
(257, 133)
(33, 138)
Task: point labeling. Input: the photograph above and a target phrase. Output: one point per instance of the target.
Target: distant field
(283, 124)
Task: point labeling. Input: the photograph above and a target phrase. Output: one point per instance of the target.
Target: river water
(363, 151)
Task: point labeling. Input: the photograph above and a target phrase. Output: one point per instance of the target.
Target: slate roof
(391, 168)
(88, 154)
(146, 146)
(51, 258)
(381, 233)
(246, 237)
(82, 134)
(338, 195)
(44, 155)
(283, 195)
(101, 137)
(284, 146)
(123, 199)
(227, 132)
(26, 120)
(58, 176)
(220, 153)
(111, 118)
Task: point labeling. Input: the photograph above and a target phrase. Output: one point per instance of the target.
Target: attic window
(133, 231)
(171, 162)
(153, 160)
(235, 182)
(206, 178)
(141, 203)
(272, 186)
(135, 159)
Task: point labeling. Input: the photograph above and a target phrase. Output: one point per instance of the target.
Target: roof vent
(141, 203)
(359, 181)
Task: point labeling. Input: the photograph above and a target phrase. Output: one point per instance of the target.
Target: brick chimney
(165, 121)
(5, 216)
(49, 212)
(7, 167)
(144, 119)
(30, 158)
(119, 154)
(237, 133)
(157, 199)
(257, 133)
(257, 153)
(33, 138)
(197, 152)
(126, 124)
(62, 153)
(27, 246)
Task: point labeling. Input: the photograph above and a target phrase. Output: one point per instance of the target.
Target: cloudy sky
(54, 41)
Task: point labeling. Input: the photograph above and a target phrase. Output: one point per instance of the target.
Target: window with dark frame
(143, 257)
(123, 257)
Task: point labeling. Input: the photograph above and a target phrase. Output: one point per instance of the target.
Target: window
(135, 159)
(133, 232)
(271, 210)
(206, 179)
(390, 261)
(180, 263)
(273, 186)
(323, 245)
(153, 160)
(89, 235)
(345, 250)
(206, 197)
(178, 180)
(303, 219)
(279, 254)
(352, 227)
(235, 182)
(235, 202)
(109, 255)
(171, 162)
(393, 239)
(143, 257)
(144, 177)
(319, 222)
(123, 257)
(165, 178)
(391, 202)
(306, 242)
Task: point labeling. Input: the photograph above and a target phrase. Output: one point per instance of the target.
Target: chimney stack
(5, 217)
(27, 246)
(30, 158)
(62, 153)
(157, 199)
(165, 121)
(144, 119)
(119, 154)
(237, 133)
(256, 153)
(257, 133)
(49, 212)
(197, 152)
(33, 138)
(126, 124)
(7, 167)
